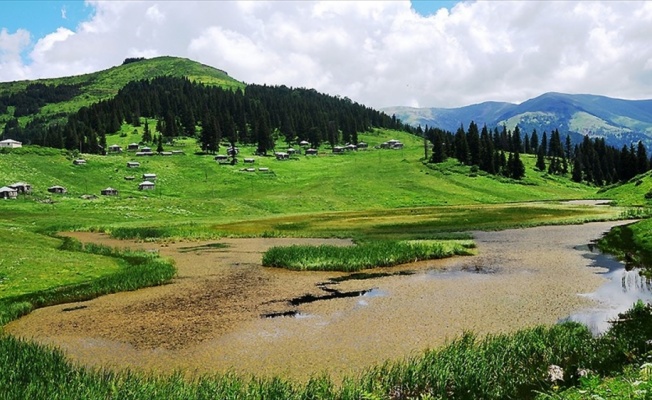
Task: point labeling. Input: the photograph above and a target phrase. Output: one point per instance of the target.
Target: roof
(56, 187)
(10, 141)
(109, 189)
(19, 184)
(146, 183)
(7, 189)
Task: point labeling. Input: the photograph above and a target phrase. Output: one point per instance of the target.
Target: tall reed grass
(362, 256)
(506, 366)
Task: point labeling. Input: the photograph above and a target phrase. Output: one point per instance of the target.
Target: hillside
(619, 122)
(104, 85)
(193, 187)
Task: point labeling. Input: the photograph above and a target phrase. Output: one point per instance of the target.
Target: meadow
(369, 196)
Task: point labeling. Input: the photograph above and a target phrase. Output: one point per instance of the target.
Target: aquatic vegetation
(362, 256)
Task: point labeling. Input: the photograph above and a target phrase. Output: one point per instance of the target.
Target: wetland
(225, 312)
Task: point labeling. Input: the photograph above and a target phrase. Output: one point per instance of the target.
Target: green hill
(105, 84)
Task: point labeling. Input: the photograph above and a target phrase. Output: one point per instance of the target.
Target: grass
(507, 366)
(31, 280)
(362, 256)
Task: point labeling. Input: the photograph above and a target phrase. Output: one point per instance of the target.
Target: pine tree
(541, 161)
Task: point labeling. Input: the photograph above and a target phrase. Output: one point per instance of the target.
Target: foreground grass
(362, 256)
(509, 366)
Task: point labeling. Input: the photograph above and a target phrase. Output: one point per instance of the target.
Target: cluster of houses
(142, 151)
(148, 183)
(12, 191)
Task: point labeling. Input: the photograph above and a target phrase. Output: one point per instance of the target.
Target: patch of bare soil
(211, 317)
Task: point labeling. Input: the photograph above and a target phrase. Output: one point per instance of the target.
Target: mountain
(87, 89)
(618, 121)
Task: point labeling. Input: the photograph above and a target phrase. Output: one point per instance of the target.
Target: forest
(178, 107)
(591, 161)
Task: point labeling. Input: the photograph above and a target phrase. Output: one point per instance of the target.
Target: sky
(379, 53)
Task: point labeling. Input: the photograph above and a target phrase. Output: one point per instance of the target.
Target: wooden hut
(149, 177)
(221, 158)
(115, 149)
(311, 152)
(109, 192)
(132, 146)
(249, 160)
(146, 185)
(281, 155)
(79, 161)
(22, 187)
(363, 145)
(57, 189)
(133, 164)
(8, 193)
(304, 143)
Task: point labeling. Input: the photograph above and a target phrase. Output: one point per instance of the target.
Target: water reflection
(625, 286)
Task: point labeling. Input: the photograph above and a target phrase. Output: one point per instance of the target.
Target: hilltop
(103, 85)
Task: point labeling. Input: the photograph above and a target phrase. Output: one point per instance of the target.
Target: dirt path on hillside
(210, 318)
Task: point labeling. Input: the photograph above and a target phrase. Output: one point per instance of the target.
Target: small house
(8, 193)
(338, 149)
(363, 145)
(79, 161)
(132, 146)
(10, 143)
(281, 155)
(249, 160)
(144, 153)
(304, 143)
(115, 149)
(22, 187)
(109, 192)
(133, 164)
(177, 152)
(291, 151)
(263, 169)
(351, 147)
(232, 151)
(149, 177)
(221, 158)
(250, 169)
(130, 178)
(146, 185)
(165, 153)
(311, 152)
(57, 189)
(146, 149)
(397, 146)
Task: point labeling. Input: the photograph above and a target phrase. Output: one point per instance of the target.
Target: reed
(362, 256)
(506, 366)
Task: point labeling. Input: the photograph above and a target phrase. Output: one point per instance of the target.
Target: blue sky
(41, 17)
(379, 53)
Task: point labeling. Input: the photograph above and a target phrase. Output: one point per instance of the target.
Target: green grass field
(369, 195)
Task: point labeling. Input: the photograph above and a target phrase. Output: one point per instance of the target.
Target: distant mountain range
(619, 121)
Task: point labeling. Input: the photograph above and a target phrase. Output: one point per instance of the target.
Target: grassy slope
(105, 84)
(195, 188)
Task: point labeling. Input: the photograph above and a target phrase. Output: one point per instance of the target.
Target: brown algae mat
(225, 312)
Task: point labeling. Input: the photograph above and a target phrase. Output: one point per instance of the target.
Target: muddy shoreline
(211, 318)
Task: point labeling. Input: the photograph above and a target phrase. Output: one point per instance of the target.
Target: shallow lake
(225, 312)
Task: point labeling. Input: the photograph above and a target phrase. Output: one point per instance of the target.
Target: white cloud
(376, 53)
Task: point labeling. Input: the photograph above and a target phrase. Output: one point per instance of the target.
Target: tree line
(497, 151)
(258, 115)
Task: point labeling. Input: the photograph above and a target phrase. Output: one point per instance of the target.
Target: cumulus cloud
(376, 53)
